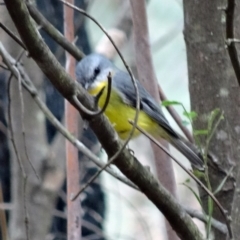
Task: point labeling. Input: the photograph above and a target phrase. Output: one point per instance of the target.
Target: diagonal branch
(204, 218)
(53, 32)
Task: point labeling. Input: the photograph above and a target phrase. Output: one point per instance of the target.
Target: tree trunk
(213, 84)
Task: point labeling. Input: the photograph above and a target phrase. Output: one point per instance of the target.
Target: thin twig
(53, 32)
(205, 219)
(22, 118)
(90, 113)
(11, 126)
(109, 89)
(13, 36)
(18, 76)
(106, 33)
(25, 207)
(191, 175)
(16, 151)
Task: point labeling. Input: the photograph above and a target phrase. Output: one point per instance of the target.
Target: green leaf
(200, 132)
(167, 103)
(199, 174)
(190, 115)
(187, 180)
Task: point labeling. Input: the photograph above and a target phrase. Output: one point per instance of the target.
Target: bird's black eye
(96, 71)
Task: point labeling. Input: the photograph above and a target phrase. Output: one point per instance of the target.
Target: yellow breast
(119, 113)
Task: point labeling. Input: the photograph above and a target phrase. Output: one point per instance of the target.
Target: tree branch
(53, 32)
(204, 218)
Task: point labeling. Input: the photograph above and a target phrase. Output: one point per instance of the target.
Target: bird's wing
(122, 81)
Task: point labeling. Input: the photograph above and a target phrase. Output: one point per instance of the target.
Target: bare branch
(12, 35)
(202, 217)
(22, 121)
(53, 32)
(18, 76)
(26, 220)
(11, 126)
(90, 113)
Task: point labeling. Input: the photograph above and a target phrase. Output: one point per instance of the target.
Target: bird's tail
(189, 151)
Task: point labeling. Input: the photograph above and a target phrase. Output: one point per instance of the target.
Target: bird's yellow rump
(92, 72)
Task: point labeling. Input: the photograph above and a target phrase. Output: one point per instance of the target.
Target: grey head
(93, 69)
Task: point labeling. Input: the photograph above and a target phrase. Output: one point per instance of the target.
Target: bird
(92, 73)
